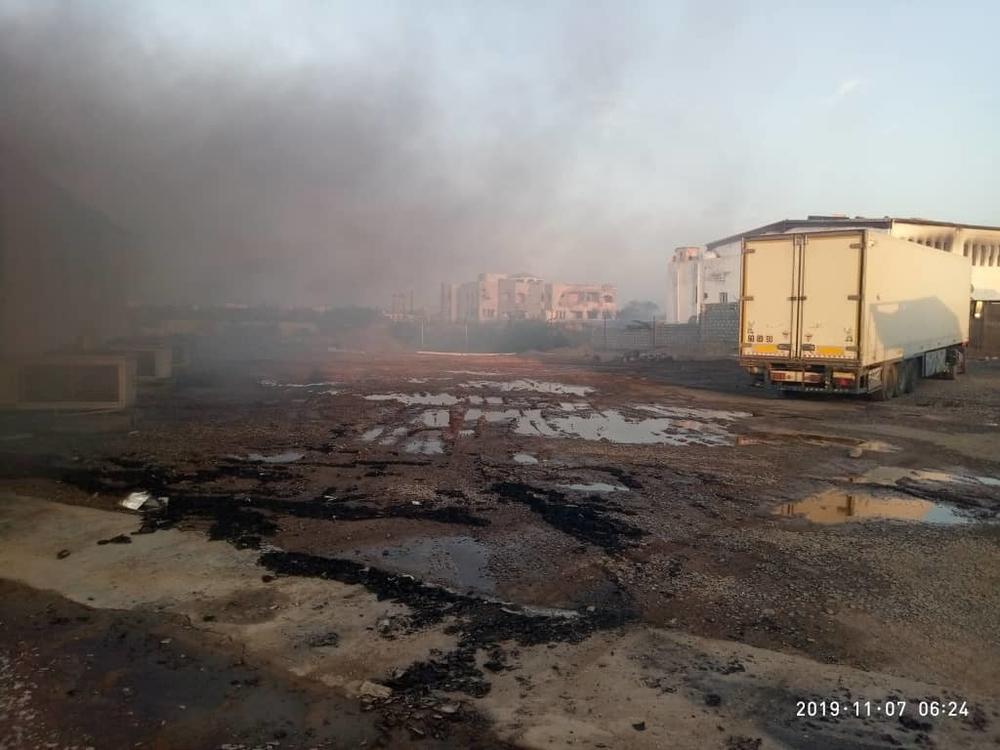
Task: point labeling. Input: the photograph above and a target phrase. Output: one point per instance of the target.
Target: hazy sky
(334, 152)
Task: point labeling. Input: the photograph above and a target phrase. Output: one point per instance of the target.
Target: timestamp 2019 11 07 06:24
(890, 709)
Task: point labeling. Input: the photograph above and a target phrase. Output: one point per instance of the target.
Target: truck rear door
(770, 281)
(829, 297)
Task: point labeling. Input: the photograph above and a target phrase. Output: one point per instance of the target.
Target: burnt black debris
(588, 520)
(479, 623)
(244, 520)
(120, 539)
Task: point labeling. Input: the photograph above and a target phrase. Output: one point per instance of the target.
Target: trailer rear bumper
(811, 377)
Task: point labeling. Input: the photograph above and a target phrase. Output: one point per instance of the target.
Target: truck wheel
(912, 375)
(902, 378)
(888, 389)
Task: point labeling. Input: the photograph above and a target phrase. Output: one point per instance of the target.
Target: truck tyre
(912, 375)
(902, 378)
(888, 389)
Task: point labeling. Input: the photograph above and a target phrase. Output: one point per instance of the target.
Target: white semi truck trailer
(854, 312)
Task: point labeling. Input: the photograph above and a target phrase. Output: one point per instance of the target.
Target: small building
(568, 302)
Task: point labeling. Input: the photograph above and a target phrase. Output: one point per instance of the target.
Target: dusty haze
(322, 153)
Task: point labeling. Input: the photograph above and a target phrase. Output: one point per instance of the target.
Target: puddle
(593, 487)
(493, 417)
(326, 384)
(411, 399)
(524, 458)
(837, 506)
(479, 400)
(892, 474)
(459, 562)
(426, 443)
(435, 418)
(608, 425)
(369, 435)
(275, 458)
(394, 436)
(879, 446)
(538, 386)
(693, 413)
(613, 426)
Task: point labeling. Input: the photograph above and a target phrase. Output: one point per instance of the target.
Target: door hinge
(854, 297)
(856, 245)
(797, 299)
(748, 298)
(748, 251)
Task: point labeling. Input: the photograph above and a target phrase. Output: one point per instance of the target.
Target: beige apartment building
(500, 297)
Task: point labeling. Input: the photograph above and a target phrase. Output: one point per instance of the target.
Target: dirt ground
(348, 550)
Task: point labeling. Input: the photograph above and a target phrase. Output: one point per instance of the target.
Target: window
(723, 296)
(578, 314)
(592, 314)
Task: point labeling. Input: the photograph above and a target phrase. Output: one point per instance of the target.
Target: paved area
(359, 551)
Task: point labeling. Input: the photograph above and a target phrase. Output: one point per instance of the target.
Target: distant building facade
(497, 296)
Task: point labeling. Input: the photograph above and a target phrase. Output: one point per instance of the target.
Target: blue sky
(577, 140)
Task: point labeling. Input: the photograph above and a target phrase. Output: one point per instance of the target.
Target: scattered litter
(136, 500)
(63, 554)
(524, 458)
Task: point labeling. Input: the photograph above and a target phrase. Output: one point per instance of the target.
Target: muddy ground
(431, 551)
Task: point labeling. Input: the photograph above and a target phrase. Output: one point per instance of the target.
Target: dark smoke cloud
(248, 175)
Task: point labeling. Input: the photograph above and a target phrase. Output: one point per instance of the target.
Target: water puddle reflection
(837, 506)
(459, 562)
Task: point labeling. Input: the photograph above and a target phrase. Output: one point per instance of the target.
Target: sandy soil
(492, 551)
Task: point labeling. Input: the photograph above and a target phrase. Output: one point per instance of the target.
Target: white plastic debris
(136, 500)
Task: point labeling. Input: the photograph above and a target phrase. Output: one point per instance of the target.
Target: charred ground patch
(587, 520)
(480, 624)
